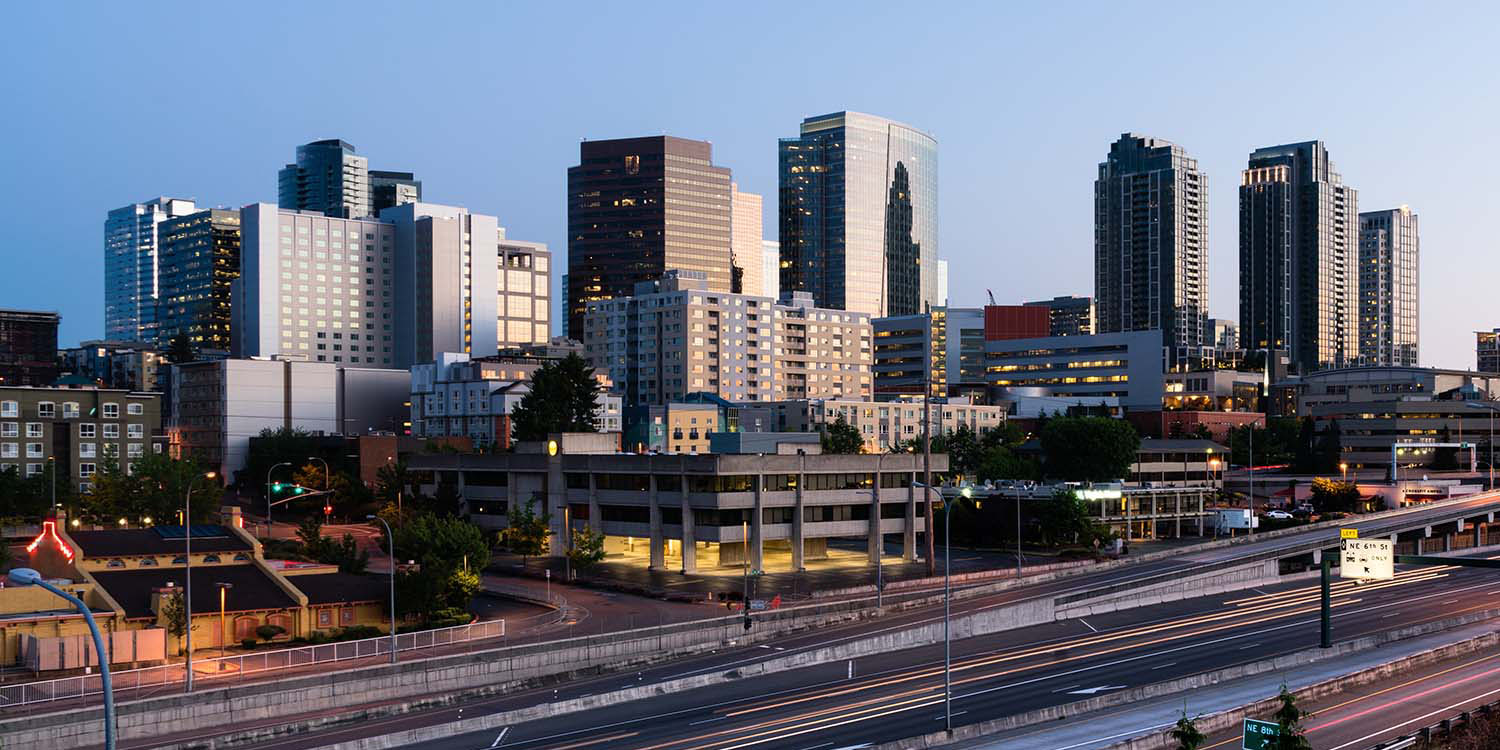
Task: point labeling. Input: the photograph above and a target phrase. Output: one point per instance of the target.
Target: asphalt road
(899, 694)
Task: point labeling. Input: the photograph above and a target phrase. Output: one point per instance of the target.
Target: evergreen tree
(562, 399)
(1186, 733)
(1289, 732)
(842, 438)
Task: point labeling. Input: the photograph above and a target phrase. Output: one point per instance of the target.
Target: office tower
(639, 207)
(567, 304)
(446, 282)
(28, 347)
(1298, 288)
(941, 298)
(329, 178)
(770, 276)
(1151, 243)
(858, 214)
(1487, 350)
(130, 266)
(315, 287)
(1068, 315)
(1388, 257)
(745, 242)
(391, 189)
(949, 339)
(677, 336)
(525, 287)
(1220, 334)
(199, 260)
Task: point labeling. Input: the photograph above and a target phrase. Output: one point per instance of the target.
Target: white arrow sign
(1093, 690)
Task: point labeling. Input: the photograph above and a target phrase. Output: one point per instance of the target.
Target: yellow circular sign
(551, 447)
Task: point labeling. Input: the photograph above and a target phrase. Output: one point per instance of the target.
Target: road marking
(1087, 625)
(586, 743)
(1168, 664)
(710, 721)
(1393, 614)
(1095, 690)
(1258, 591)
(500, 737)
(1242, 648)
(955, 713)
(1450, 601)
(1070, 687)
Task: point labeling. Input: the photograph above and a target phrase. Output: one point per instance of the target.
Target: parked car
(1279, 515)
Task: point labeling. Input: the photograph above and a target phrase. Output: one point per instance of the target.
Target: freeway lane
(899, 694)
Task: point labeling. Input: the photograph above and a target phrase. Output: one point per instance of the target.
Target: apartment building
(79, 428)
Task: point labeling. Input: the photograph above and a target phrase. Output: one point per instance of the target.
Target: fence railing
(215, 671)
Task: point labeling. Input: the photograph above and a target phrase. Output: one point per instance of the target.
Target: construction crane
(992, 296)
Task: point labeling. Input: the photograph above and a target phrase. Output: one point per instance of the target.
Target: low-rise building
(79, 428)
(28, 347)
(473, 397)
(1068, 315)
(943, 348)
(882, 424)
(681, 426)
(686, 512)
(1487, 350)
(131, 365)
(1128, 366)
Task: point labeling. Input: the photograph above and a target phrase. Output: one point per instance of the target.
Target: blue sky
(113, 103)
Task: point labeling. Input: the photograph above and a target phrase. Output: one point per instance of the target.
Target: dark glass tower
(1298, 251)
(391, 189)
(200, 258)
(330, 178)
(1151, 244)
(639, 207)
(858, 214)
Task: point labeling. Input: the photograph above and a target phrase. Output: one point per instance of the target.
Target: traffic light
(747, 619)
(276, 487)
(299, 489)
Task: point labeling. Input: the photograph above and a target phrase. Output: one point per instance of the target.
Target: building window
(148, 562)
(325, 618)
(85, 487)
(33, 470)
(10, 429)
(135, 409)
(210, 558)
(135, 431)
(111, 411)
(346, 616)
(33, 429)
(85, 470)
(46, 410)
(34, 450)
(10, 409)
(70, 410)
(135, 450)
(112, 431)
(10, 450)
(244, 627)
(85, 430)
(116, 563)
(86, 450)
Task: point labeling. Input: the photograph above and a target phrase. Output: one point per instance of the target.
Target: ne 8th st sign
(1367, 559)
(1259, 735)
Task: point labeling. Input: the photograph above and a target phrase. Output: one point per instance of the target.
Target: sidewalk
(1099, 730)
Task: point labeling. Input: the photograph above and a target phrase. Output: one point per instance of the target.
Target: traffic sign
(1348, 533)
(758, 605)
(1372, 559)
(1259, 735)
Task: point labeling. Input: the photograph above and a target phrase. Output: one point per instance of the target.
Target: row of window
(70, 409)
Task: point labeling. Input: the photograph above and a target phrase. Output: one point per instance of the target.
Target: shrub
(268, 632)
(248, 644)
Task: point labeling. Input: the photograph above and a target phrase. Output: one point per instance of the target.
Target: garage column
(658, 558)
(689, 535)
(876, 540)
(596, 516)
(757, 531)
(909, 534)
(799, 562)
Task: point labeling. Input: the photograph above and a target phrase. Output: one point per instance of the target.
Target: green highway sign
(1259, 734)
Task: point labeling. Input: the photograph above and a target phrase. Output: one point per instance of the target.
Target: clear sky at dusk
(107, 104)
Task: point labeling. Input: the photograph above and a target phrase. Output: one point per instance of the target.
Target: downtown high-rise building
(328, 177)
(1151, 244)
(746, 242)
(1299, 245)
(199, 261)
(1389, 250)
(858, 214)
(391, 189)
(770, 263)
(131, 266)
(639, 207)
(1068, 315)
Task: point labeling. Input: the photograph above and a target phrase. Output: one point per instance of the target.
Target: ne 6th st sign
(1367, 559)
(1259, 735)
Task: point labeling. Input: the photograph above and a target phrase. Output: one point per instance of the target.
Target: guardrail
(217, 671)
(1446, 728)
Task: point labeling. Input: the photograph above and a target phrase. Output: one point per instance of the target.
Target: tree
(344, 553)
(1305, 457)
(842, 438)
(24, 500)
(1065, 520)
(450, 552)
(1330, 452)
(1444, 459)
(286, 444)
(587, 548)
(1334, 496)
(152, 486)
(180, 350)
(1089, 449)
(1186, 733)
(525, 531)
(1000, 462)
(562, 399)
(174, 616)
(1289, 733)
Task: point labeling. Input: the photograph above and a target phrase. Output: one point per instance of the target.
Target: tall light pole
(223, 637)
(1344, 470)
(268, 494)
(326, 478)
(391, 538)
(52, 475)
(1492, 408)
(187, 577)
(948, 611)
(29, 577)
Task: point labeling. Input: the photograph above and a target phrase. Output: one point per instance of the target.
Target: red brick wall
(1004, 322)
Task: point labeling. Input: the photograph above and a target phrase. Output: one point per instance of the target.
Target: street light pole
(223, 637)
(28, 577)
(52, 475)
(187, 577)
(268, 495)
(392, 539)
(325, 470)
(1492, 409)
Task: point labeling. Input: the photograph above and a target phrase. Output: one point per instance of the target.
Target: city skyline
(1016, 190)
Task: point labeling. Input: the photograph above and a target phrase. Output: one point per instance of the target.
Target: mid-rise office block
(131, 242)
(525, 281)
(391, 189)
(1223, 336)
(28, 347)
(456, 395)
(199, 261)
(315, 287)
(80, 429)
(949, 341)
(638, 207)
(446, 282)
(858, 214)
(1298, 250)
(1389, 250)
(1487, 350)
(1127, 366)
(1151, 243)
(676, 336)
(128, 365)
(746, 244)
(884, 425)
(329, 178)
(1068, 315)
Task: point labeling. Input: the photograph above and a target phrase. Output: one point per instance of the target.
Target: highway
(899, 694)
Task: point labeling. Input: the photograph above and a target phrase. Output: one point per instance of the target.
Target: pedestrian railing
(213, 671)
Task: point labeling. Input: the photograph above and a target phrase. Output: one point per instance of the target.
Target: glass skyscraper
(1388, 253)
(858, 214)
(1299, 291)
(200, 259)
(330, 178)
(130, 266)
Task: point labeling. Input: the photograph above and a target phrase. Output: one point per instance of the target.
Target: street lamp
(325, 470)
(390, 537)
(1492, 408)
(187, 577)
(52, 479)
(223, 637)
(29, 577)
(268, 495)
(1344, 469)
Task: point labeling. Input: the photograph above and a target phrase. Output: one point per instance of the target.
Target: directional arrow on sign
(1093, 690)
